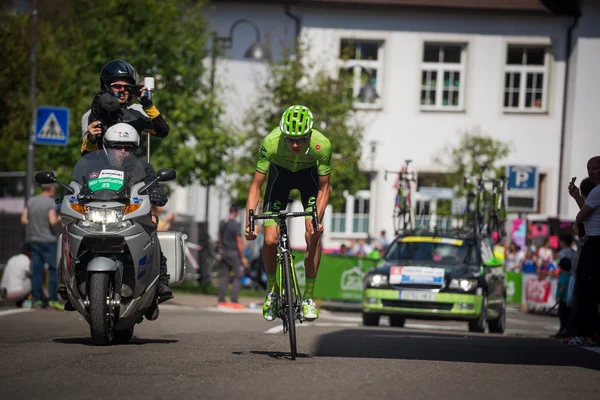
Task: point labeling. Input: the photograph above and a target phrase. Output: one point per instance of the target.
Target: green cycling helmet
(297, 120)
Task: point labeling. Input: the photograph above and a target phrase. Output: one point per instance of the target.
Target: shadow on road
(406, 345)
(87, 341)
(273, 354)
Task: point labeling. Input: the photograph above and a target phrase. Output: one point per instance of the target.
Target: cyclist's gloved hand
(158, 197)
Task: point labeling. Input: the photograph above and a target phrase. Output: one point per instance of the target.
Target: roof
(540, 7)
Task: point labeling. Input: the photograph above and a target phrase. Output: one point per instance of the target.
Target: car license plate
(416, 295)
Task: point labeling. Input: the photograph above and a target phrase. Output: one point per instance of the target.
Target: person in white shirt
(16, 278)
(588, 270)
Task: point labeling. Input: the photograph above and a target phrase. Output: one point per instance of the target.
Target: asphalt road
(204, 353)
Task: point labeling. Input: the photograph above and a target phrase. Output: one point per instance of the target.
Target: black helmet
(116, 69)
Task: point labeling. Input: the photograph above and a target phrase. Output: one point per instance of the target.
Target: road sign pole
(32, 88)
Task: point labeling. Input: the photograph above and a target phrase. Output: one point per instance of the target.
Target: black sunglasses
(120, 86)
(125, 147)
(299, 140)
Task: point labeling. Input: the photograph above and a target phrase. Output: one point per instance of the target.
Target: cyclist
(118, 78)
(294, 156)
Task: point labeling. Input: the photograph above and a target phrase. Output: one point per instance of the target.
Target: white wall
(582, 133)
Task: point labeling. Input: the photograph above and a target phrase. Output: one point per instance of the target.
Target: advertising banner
(538, 294)
(340, 277)
(513, 287)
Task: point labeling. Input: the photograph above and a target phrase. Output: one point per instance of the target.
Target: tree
(76, 38)
(473, 150)
(292, 81)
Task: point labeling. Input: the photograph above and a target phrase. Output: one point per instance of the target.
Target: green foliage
(164, 39)
(467, 158)
(291, 81)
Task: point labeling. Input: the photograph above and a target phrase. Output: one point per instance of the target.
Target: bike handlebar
(284, 215)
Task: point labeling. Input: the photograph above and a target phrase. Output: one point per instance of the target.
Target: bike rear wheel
(290, 304)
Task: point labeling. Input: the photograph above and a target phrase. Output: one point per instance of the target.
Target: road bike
(498, 208)
(290, 300)
(477, 203)
(403, 201)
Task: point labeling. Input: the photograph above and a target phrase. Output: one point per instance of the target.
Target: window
(360, 68)
(526, 78)
(355, 220)
(443, 76)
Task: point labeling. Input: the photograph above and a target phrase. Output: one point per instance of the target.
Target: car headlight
(463, 284)
(376, 280)
(104, 220)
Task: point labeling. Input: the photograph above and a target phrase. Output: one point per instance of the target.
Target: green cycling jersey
(275, 150)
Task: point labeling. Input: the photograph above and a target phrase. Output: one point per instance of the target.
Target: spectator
(514, 257)
(233, 259)
(382, 242)
(561, 294)
(40, 216)
(164, 221)
(588, 272)
(529, 263)
(16, 278)
(565, 245)
(343, 249)
(354, 249)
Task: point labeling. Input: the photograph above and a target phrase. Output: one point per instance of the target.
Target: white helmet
(121, 134)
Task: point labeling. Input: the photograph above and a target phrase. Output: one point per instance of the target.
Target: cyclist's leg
(276, 197)
(308, 182)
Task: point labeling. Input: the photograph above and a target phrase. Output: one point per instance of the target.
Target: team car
(431, 276)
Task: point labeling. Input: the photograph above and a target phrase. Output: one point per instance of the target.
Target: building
(521, 71)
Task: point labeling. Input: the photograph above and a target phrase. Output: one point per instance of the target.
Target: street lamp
(257, 51)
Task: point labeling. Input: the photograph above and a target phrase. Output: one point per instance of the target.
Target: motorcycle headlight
(104, 220)
(376, 280)
(463, 284)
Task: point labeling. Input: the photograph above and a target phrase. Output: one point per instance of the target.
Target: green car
(426, 276)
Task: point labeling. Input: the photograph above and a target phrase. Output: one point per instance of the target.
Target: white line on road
(15, 311)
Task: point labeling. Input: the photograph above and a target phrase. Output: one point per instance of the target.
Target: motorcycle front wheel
(102, 309)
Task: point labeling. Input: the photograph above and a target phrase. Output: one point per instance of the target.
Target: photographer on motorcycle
(114, 104)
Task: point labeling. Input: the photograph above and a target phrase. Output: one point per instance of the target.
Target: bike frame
(403, 200)
(289, 293)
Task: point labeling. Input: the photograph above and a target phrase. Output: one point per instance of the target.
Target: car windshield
(108, 174)
(431, 251)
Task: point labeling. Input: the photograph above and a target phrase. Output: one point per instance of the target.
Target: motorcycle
(109, 246)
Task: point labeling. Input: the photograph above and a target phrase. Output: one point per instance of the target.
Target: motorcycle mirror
(45, 177)
(166, 174)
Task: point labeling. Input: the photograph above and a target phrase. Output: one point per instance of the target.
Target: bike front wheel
(290, 304)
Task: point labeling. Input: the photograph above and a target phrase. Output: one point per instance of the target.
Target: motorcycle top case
(172, 244)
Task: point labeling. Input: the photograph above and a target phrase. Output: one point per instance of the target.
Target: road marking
(594, 349)
(15, 311)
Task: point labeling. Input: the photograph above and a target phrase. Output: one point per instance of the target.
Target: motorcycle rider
(124, 139)
(118, 81)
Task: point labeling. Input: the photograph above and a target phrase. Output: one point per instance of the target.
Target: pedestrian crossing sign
(52, 125)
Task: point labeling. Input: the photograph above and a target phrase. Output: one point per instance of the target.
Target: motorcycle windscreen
(108, 174)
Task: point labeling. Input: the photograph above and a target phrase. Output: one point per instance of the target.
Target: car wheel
(478, 325)
(370, 319)
(397, 321)
(499, 325)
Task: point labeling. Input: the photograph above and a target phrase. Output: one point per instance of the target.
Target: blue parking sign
(52, 125)
(522, 177)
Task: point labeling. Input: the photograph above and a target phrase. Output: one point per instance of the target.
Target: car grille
(423, 305)
(416, 286)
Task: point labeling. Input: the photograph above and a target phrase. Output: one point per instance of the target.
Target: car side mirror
(166, 175)
(45, 177)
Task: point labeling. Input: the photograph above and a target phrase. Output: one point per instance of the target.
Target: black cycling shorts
(281, 181)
